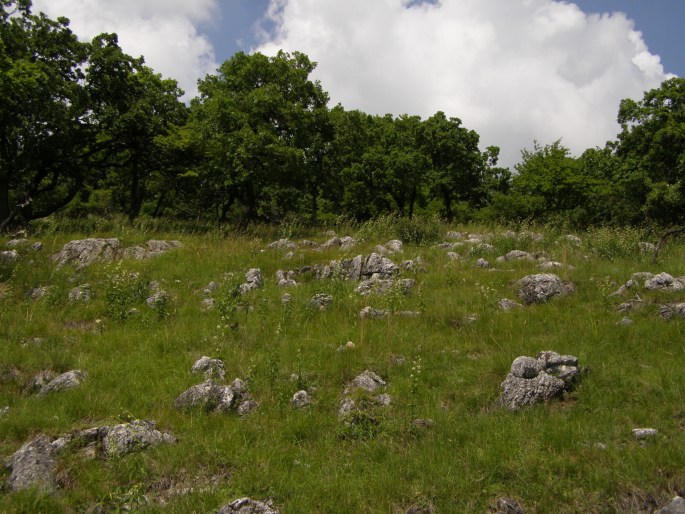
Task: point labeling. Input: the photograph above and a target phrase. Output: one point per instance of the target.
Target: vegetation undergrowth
(443, 367)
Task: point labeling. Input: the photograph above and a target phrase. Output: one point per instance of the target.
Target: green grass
(437, 366)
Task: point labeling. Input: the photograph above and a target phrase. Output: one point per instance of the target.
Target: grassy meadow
(575, 455)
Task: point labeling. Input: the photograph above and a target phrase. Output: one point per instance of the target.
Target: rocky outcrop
(541, 288)
(33, 465)
(536, 380)
(247, 506)
(81, 253)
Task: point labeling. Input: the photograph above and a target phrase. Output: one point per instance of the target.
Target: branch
(667, 234)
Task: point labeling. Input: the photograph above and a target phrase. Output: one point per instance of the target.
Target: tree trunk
(447, 200)
(314, 205)
(160, 202)
(5, 211)
(136, 194)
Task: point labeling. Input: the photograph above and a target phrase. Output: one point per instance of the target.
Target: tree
(44, 130)
(651, 146)
(258, 119)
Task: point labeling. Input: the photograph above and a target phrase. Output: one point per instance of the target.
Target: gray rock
(301, 399)
(379, 286)
(515, 255)
(482, 263)
(39, 381)
(541, 288)
(414, 265)
(675, 506)
(33, 465)
(212, 368)
(347, 406)
(158, 299)
(382, 250)
(9, 257)
(481, 248)
(573, 239)
(64, 382)
(321, 301)
(16, 243)
(347, 242)
(507, 305)
(247, 506)
(642, 434)
(37, 246)
(394, 245)
(646, 247)
(630, 305)
(239, 387)
(253, 280)
(532, 381)
(334, 242)
(81, 253)
(207, 396)
(509, 506)
(4, 410)
(132, 437)
(81, 293)
(39, 292)
(247, 407)
(286, 298)
(454, 235)
(282, 244)
(208, 303)
(453, 256)
(157, 247)
(376, 264)
(625, 287)
(383, 399)
(371, 313)
(664, 282)
(641, 276)
(367, 380)
(285, 278)
(551, 265)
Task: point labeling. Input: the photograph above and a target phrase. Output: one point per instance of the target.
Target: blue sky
(515, 71)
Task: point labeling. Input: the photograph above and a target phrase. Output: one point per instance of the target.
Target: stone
(131, 437)
(541, 288)
(379, 286)
(286, 298)
(675, 506)
(641, 276)
(347, 242)
(64, 382)
(9, 257)
(509, 506)
(625, 287)
(4, 410)
(33, 465)
(334, 242)
(376, 264)
(301, 399)
(321, 301)
(208, 303)
(515, 255)
(253, 280)
(481, 248)
(81, 253)
(247, 407)
(212, 368)
(664, 282)
(157, 247)
(383, 399)
(394, 245)
(371, 313)
(37, 246)
(454, 235)
(482, 263)
(282, 244)
(81, 293)
(507, 305)
(367, 380)
(247, 506)
(630, 305)
(16, 243)
(536, 380)
(40, 380)
(453, 256)
(642, 434)
(551, 265)
(573, 239)
(207, 396)
(239, 387)
(414, 265)
(646, 247)
(39, 292)
(158, 299)
(285, 278)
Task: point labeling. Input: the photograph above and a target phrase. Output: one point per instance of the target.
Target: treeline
(85, 128)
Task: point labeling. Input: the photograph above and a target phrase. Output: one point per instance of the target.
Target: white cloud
(514, 71)
(163, 31)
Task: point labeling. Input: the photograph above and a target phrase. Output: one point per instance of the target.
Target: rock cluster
(253, 280)
(536, 380)
(81, 253)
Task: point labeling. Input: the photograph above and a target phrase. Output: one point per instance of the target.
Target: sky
(515, 71)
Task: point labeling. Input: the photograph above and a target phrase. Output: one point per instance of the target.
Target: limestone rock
(9, 257)
(532, 381)
(367, 380)
(395, 245)
(63, 382)
(515, 255)
(453, 256)
(132, 437)
(573, 239)
(285, 278)
(212, 368)
(247, 407)
(664, 282)
(509, 506)
(321, 301)
(81, 293)
(376, 264)
(301, 399)
(37, 246)
(207, 396)
(81, 253)
(541, 288)
(16, 243)
(33, 465)
(247, 506)
(283, 244)
(379, 286)
(371, 313)
(253, 280)
(642, 434)
(482, 263)
(506, 305)
(675, 506)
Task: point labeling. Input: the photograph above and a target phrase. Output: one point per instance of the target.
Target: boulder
(247, 407)
(675, 506)
(301, 399)
(453, 256)
(541, 288)
(321, 301)
(536, 380)
(394, 245)
(16, 243)
(482, 263)
(506, 305)
(131, 437)
(253, 280)
(664, 282)
(515, 255)
(247, 506)
(285, 278)
(379, 286)
(642, 434)
(573, 239)
(371, 313)
(37, 246)
(9, 257)
(282, 244)
(376, 264)
(509, 506)
(212, 368)
(81, 253)
(367, 380)
(33, 465)
(63, 382)
(207, 396)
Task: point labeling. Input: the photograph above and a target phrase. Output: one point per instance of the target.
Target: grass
(577, 455)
